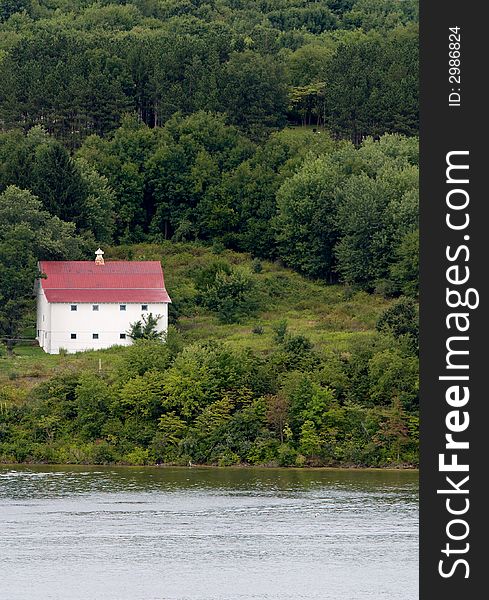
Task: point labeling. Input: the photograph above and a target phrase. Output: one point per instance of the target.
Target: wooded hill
(261, 366)
(76, 66)
(279, 131)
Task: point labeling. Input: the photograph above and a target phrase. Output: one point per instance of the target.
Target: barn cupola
(99, 257)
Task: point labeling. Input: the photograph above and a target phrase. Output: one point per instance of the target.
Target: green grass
(330, 315)
(30, 365)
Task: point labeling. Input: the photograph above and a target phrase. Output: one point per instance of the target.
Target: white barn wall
(43, 326)
(109, 322)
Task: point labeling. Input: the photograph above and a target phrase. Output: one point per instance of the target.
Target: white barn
(84, 305)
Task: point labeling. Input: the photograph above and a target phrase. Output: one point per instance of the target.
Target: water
(142, 533)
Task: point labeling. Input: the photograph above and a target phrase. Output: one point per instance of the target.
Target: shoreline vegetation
(314, 375)
(266, 153)
(396, 469)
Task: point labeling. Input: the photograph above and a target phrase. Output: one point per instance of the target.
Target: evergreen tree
(146, 328)
(59, 183)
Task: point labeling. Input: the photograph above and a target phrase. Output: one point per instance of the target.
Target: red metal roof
(115, 281)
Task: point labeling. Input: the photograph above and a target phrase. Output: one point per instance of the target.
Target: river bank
(318, 375)
(403, 467)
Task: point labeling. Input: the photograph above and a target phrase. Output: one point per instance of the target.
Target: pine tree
(59, 183)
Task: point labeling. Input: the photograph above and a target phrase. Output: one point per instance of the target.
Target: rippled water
(69, 533)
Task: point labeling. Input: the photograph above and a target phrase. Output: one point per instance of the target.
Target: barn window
(122, 307)
(94, 336)
(144, 307)
(122, 336)
(74, 307)
(95, 307)
(73, 336)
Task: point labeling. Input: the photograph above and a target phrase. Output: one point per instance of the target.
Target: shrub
(44, 454)
(93, 399)
(138, 456)
(280, 331)
(263, 451)
(401, 320)
(287, 456)
(231, 295)
(101, 453)
(217, 248)
(148, 355)
(141, 395)
(393, 375)
(228, 459)
(405, 270)
(257, 266)
(146, 328)
(297, 344)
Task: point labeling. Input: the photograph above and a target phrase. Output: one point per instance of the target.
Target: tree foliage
(77, 68)
(28, 234)
(285, 129)
(147, 328)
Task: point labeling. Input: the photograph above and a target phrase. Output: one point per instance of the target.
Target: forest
(270, 143)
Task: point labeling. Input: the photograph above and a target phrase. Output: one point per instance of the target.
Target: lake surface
(143, 533)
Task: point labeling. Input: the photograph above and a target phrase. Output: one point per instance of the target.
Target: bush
(393, 375)
(257, 266)
(401, 321)
(385, 287)
(231, 295)
(43, 453)
(147, 355)
(139, 456)
(263, 451)
(297, 344)
(405, 270)
(228, 459)
(280, 331)
(287, 456)
(93, 399)
(207, 275)
(217, 248)
(101, 453)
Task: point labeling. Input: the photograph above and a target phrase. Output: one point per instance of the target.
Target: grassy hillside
(331, 316)
(262, 366)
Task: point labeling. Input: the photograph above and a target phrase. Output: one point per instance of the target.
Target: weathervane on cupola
(99, 260)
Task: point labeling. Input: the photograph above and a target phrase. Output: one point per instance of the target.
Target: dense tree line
(328, 209)
(76, 67)
(158, 120)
